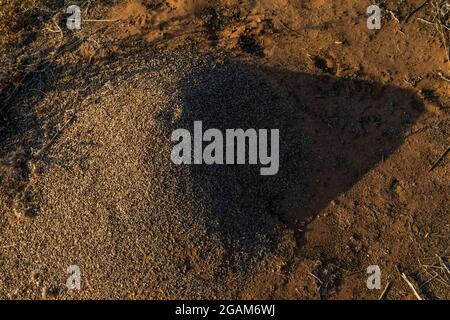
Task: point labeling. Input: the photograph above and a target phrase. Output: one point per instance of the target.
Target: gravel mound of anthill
(104, 194)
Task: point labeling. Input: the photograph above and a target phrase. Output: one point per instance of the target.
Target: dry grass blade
(443, 77)
(416, 10)
(383, 294)
(404, 277)
(441, 25)
(438, 160)
(443, 264)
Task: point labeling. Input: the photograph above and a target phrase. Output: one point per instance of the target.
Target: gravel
(110, 200)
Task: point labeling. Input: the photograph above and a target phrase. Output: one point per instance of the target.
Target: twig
(286, 26)
(443, 264)
(100, 20)
(383, 294)
(416, 10)
(411, 286)
(428, 281)
(444, 41)
(435, 276)
(443, 77)
(315, 277)
(393, 16)
(59, 51)
(440, 29)
(425, 21)
(434, 165)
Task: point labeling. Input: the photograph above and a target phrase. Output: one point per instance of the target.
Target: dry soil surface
(87, 180)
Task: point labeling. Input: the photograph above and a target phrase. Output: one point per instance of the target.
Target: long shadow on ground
(332, 131)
